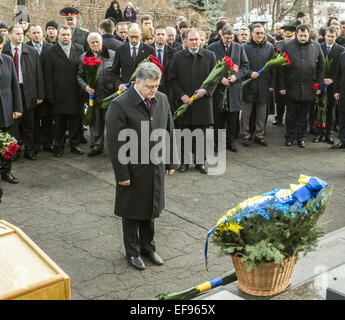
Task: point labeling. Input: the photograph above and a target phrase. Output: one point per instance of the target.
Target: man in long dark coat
(60, 66)
(189, 69)
(30, 77)
(140, 184)
(332, 50)
(43, 133)
(10, 105)
(296, 83)
(257, 92)
(228, 117)
(129, 56)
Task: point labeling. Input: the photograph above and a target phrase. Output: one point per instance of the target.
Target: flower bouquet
(279, 59)
(91, 65)
(272, 229)
(8, 145)
(222, 66)
(321, 100)
(106, 101)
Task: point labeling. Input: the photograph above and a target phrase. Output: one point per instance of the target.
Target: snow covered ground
(321, 9)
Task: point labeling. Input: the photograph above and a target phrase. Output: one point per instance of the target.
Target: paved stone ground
(66, 205)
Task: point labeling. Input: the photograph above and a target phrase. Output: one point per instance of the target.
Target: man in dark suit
(29, 72)
(188, 70)
(139, 184)
(229, 115)
(332, 50)
(43, 133)
(106, 28)
(10, 106)
(60, 67)
(164, 53)
(79, 35)
(129, 56)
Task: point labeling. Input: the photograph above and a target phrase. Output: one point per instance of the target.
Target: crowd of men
(48, 86)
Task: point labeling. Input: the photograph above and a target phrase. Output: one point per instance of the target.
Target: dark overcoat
(60, 74)
(307, 68)
(339, 81)
(144, 198)
(124, 65)
(33, 82)
(239, 57)
(11, 99)
(257, 90)
(110, 42)
(186, 74)
(44, 108)
(105, 78)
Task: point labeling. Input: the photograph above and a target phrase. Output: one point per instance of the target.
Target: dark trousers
(43, 133)
(138, 236)
(23, 128)
(185, 153)
(296, 120)
(5, 165)
(280, 106)
(228, 121)
(341, 123)
(62, 123)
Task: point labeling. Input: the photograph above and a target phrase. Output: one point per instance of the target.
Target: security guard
(79, 35)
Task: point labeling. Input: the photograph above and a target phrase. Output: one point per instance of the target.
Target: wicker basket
(268, 278)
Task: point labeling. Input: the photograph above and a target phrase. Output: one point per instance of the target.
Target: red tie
(148, 104)
(134, 56)
(16, 62)
(227, 49)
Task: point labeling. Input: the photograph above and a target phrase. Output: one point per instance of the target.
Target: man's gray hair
(245, 29)
(148, 70)
(277, 25)
(94, 35)
(172, 29)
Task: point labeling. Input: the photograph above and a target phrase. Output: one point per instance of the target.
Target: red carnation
(323, 125)
(288, 62)
(85, 60)
(316, 124)
(229, 62)
(277, 50)
(13, 147)
(316, 86)
(98, 62)
(154, 60)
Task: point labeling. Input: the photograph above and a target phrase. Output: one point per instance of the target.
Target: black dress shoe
(232, 147)
(339, 145)
(77, 150)
(7, 176)
(136, 262)
(317, 139)
(183, 168)
(154, 258)
(58, 152)
(202, 168)
(301, 144)
(245, 142)
(329, 140)
(288, 143)
(30, 156)
(261, 142)
(48, 148)
(277, 123)
(94, 152)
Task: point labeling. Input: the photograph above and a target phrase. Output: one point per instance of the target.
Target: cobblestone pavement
(65, 205)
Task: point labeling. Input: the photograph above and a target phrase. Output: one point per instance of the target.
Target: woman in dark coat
(129, 14)
(114, 12)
